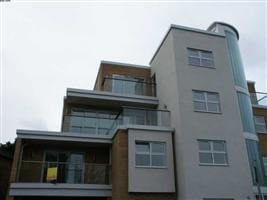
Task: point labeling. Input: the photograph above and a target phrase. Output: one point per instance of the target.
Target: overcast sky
(48, 47)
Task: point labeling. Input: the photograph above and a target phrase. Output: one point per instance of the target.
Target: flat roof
(124, 64)
(224, 24)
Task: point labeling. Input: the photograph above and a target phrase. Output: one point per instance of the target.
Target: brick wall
(120, 173)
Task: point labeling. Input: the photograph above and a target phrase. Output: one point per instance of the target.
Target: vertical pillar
(15, 165)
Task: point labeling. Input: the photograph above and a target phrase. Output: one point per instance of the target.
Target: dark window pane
(194, 61)
(193, 52)
(158, 147)
(218, 146)
(205, 158)
(201, 106)
(142, 160)
(213, 107)
(158, 160)
(199, 95)
(206, 54)
(51, 156)
(142, 147)
(212, 96)
(219, 158)
(204, 145)
(63, 157)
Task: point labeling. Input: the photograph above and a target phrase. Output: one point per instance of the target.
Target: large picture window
(150, 154)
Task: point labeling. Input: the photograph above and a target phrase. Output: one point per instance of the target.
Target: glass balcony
(73, 173)
(127, 116)
(258, 98)
(131, 86)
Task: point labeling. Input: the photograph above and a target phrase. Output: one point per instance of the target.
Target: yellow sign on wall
(51, 174)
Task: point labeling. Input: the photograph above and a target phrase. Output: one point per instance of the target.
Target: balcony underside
(60, 190)
(101, 98)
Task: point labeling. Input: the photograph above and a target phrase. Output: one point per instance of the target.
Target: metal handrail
(67, 163)
(121, 79)
(86, 173)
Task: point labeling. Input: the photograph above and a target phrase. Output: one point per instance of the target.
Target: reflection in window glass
(206, 101)
(150, 154)
(212, 152)
(200, 58)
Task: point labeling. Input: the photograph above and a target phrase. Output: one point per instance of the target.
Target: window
(150, 154)
(69, 165)
(200, 58)
(264, 158)
(212, 152)
(206, 101)
(260, 124)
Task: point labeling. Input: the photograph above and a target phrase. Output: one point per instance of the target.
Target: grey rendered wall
(195, 181)
(150, 180)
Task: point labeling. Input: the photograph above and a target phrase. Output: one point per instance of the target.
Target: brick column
(15, 165)
(120, 166)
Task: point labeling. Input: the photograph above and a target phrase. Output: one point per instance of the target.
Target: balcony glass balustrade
(72, 173)
(258, 98)
(129, 85)
(128, 116)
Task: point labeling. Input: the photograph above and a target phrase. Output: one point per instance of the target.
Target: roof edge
(224, 24)
(173, 26)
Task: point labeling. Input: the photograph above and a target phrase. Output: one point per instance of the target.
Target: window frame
(200, 57)
(260, 124)
(212, 152)
(206, 101)
(150, 153)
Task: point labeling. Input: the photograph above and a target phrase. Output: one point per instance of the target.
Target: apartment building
(180, 128)
(259, 107)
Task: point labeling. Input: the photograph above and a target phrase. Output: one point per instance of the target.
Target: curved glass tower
(243, 98)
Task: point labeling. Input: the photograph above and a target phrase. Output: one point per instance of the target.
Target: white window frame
(260, 124)
(212, 152)
(200, 57)
(150, 153)
(206, 101)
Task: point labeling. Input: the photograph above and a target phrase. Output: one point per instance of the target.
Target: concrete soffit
(62, 136)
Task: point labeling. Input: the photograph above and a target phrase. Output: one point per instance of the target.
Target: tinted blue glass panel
(236, 60)
(254, 161)
(246, 112)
